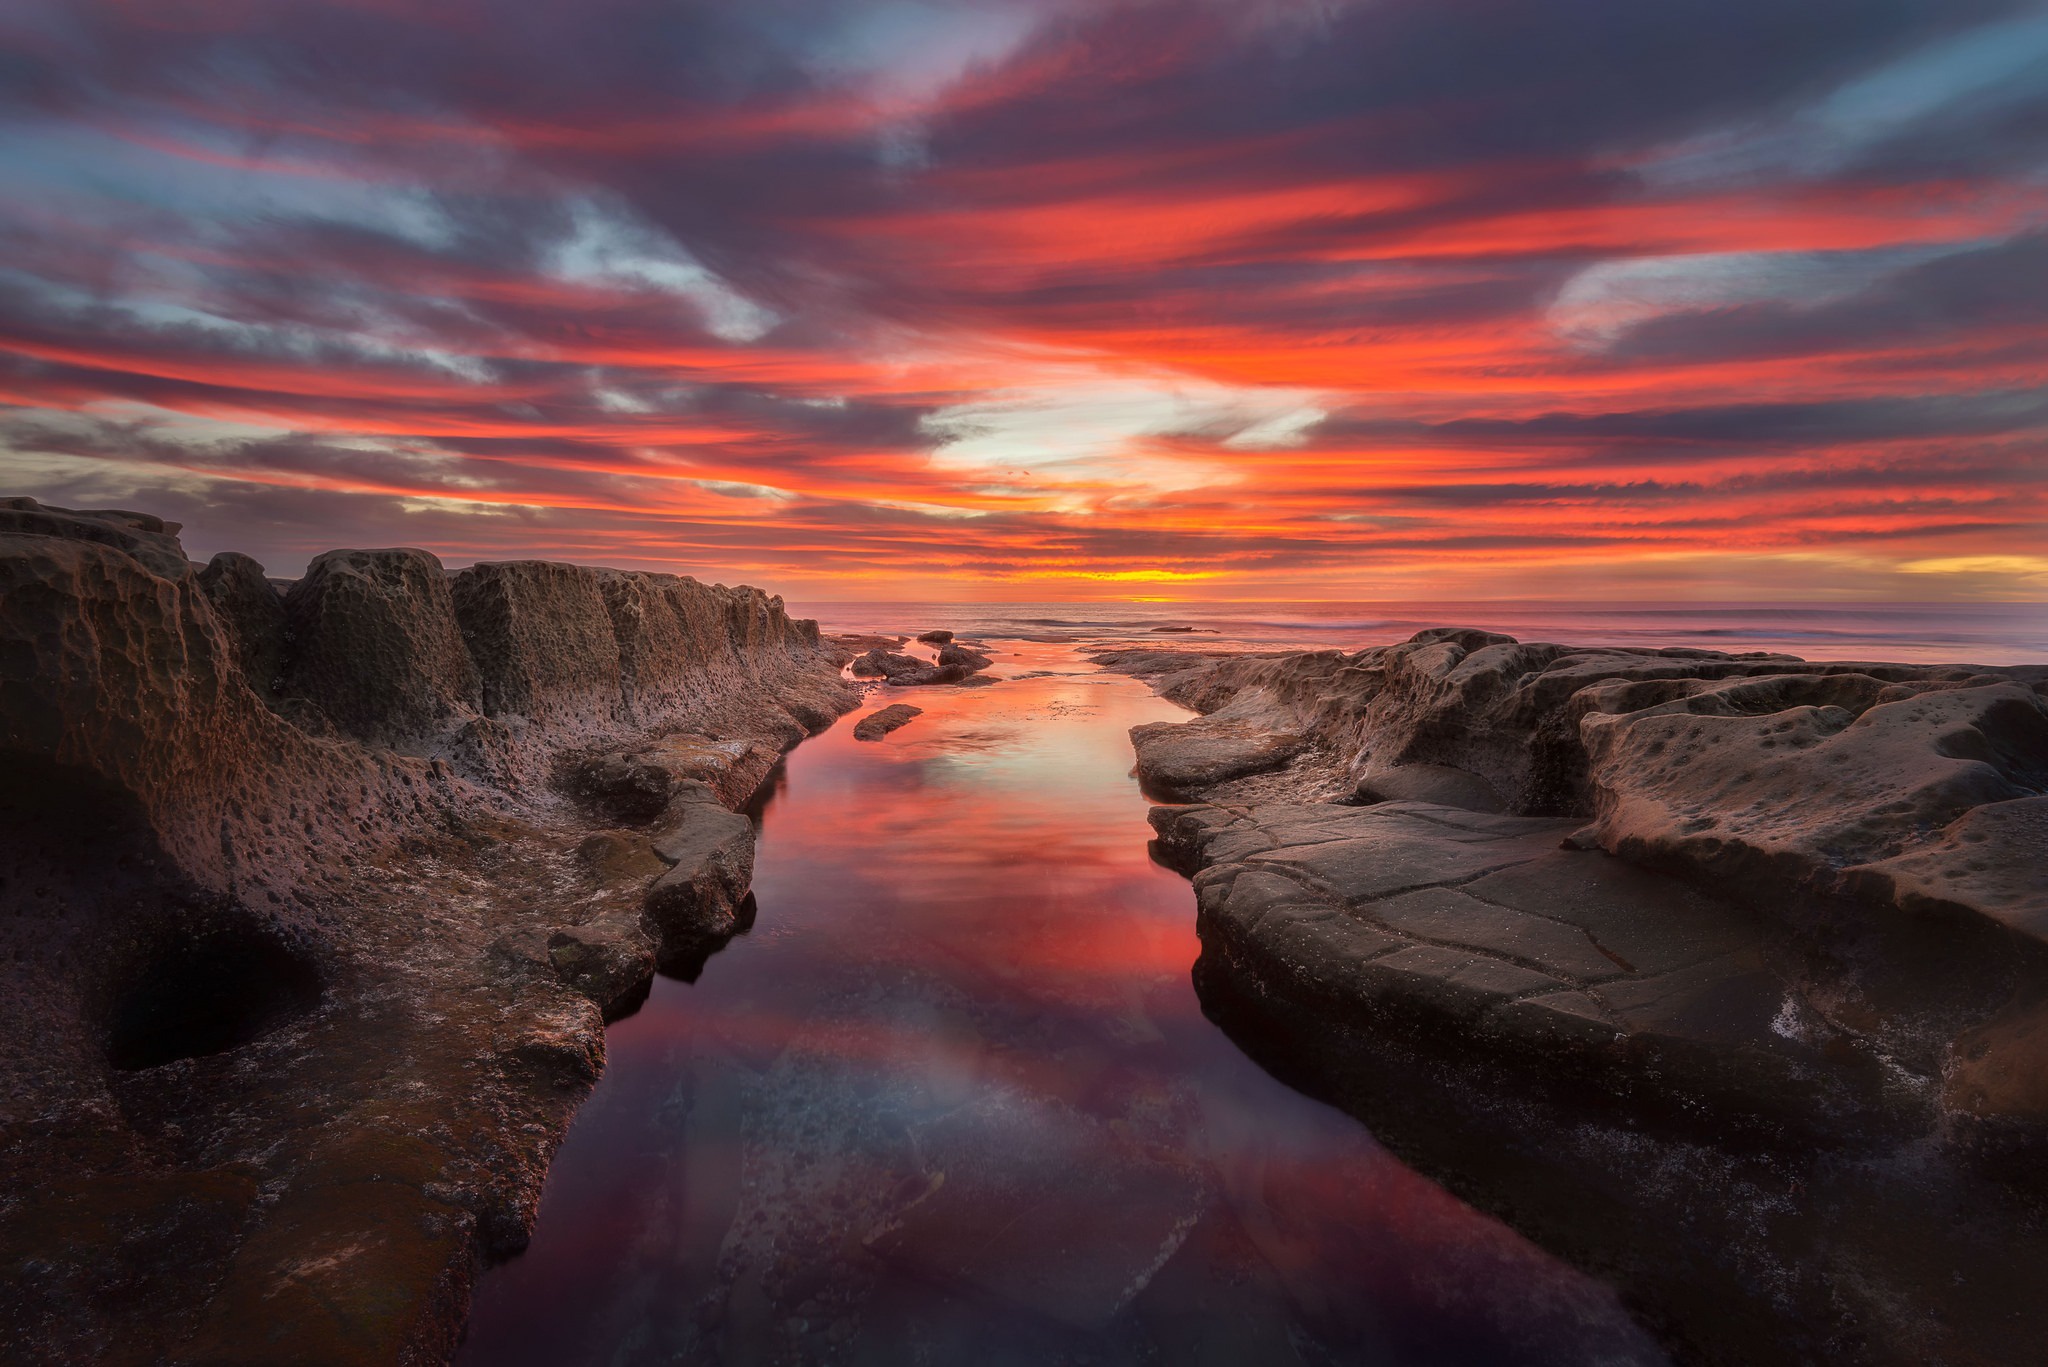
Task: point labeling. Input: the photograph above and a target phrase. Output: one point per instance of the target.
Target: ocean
(1963, 633)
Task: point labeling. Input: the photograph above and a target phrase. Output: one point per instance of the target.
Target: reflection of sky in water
(953, 1100)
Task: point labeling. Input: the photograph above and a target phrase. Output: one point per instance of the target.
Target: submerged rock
(880, 723)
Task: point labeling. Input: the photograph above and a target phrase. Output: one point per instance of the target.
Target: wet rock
(904, 671)
(697, 903)
(935, 638)
(961, 658)
(1177, 760)
(880, 723)
(885, 664)
(1791, 970)
(611, 962)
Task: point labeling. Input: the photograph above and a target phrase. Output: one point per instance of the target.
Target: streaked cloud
(1042, 297)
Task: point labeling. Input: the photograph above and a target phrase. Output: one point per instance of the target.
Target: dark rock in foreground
(1723, 975)
(314, 906)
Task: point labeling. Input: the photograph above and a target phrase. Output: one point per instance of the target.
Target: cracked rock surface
(1726, 976)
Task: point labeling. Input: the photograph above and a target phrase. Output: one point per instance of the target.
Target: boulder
(959, 657)
(697, 905)
(624, 788)
(609, 961)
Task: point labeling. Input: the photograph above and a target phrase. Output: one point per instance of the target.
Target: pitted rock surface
(314, 907)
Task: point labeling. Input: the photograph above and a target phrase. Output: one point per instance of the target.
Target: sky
(1048, 299)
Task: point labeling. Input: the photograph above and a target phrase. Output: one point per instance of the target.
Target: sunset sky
(1048, 298)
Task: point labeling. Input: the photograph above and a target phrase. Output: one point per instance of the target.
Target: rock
(959, 657)
(253, 611)
(618, 857)
(542, 637)
(1839, 779)
(884, 664)
(149, 541)
(1437, 783)
(611, 962)
(1785, 786)
(622, 788)
(1177, 760)
(878, 724)
(696, 905)
(375, 648)
(1745, 1043)
(936, 638)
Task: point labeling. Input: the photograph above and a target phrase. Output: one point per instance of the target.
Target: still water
(953, 1100)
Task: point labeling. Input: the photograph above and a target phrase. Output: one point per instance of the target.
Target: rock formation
(314, 905)
(1726, 976)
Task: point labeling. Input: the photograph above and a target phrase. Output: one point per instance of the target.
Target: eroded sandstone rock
(315, 973)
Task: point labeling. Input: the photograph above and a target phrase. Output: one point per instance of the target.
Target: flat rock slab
(881, 722)
(1042, 1206)
(1176, 760)
(1458, 928)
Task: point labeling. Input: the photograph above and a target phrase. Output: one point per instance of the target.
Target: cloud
(855, 294)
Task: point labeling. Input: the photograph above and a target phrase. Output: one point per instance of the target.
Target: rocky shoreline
(1724, 976)
(316, 897)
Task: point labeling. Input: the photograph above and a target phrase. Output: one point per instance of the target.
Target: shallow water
(953, 1100)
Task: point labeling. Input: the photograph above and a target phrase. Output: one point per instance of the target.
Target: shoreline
(318, 901)
(1662, 956)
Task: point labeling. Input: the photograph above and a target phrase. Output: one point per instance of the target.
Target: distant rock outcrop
(315, 903)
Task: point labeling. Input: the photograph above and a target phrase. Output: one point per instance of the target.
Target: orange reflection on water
(954, 1097)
